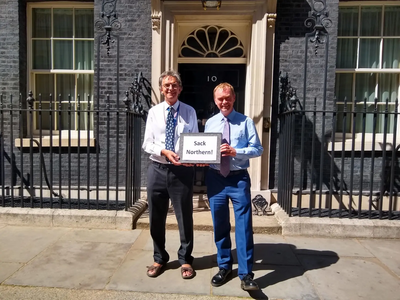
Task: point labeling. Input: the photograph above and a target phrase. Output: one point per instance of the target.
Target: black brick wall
(290, 58)
(133, 55)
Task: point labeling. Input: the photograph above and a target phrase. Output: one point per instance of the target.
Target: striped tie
(225, 160)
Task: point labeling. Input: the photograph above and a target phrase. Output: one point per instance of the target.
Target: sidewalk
(75, 263)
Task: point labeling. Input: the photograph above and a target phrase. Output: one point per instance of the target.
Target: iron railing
(333, 173)
(331, 170)
(50, 166)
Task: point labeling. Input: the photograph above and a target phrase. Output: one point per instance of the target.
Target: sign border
(218, 150)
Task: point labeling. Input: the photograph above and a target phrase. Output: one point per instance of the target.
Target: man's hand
(227, 150)
(174, 158)
(171, 156)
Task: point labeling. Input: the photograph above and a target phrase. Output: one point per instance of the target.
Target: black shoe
(248, 284)
(221, 277)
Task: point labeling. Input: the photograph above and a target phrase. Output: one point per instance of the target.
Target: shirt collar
(230, 117)
(175, 106)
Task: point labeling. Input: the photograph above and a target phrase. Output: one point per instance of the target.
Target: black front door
(199, 81)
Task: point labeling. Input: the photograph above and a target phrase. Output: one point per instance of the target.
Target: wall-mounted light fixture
(211, 4)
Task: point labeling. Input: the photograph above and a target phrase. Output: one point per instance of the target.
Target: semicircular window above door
(212, 41)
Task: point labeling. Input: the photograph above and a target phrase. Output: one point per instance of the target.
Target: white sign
(200, 148)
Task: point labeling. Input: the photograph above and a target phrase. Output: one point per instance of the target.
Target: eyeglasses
(173, 86)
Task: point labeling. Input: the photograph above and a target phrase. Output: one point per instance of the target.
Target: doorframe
(260, 15)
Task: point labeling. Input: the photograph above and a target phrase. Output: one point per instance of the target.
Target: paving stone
(387, 251)
(21, 244)
(350, 278)
(72, 264)
(341, 247)
(7, 269)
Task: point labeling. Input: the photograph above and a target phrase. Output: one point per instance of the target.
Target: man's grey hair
(172, 73)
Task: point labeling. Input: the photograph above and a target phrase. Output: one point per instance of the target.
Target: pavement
(76, 257)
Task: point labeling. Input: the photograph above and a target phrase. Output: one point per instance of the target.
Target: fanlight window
(212, 41)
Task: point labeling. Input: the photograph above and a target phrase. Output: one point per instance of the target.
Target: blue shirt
(243, 137)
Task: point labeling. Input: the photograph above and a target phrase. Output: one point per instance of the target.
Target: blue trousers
(237, 188)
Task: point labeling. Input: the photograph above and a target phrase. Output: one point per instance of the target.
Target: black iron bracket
(108, 22)
(318, 18)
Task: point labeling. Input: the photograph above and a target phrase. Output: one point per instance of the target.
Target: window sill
(358, 145)
(54, 141)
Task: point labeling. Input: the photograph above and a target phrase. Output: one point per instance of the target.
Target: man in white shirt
(167, 178)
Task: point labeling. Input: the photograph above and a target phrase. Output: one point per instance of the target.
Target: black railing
(328, 155)
(46, 164)
(334, 173)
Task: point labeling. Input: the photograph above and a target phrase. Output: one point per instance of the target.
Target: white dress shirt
(154, 136)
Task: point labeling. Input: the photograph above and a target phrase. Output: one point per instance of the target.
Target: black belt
(231, 173)
(161, 166)
(165, 166)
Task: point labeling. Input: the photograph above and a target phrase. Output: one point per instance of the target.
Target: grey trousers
(164, 182)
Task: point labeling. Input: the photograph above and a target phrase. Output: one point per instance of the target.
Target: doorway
(199, 81)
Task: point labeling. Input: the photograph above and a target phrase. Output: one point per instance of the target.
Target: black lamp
(211, 4)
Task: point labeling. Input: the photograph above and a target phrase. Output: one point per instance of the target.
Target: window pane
(63, 55)
(41, 23)
(84, 55)
(346, 54)
(392, 21)
(344, 83)
(41, 55)
(391, 53)
(369, 53)
(85, 119)
(369, 117)
(371, 19)
(44, 85)
(365, 87)
(43, 117)
(67, 116)
(63, 23)
(85, 87)
(378, 118)
(65, 86)
(388, 87)
(343, 121)
(348, 21)
(383, 118)
(84, 23)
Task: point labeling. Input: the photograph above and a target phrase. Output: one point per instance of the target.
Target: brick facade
(130, 54)
(133, 56)
(290, 59)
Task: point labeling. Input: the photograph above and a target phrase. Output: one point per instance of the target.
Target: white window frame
(65, 134)
(368, 142)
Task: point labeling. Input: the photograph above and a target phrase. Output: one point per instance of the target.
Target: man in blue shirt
(231, 180)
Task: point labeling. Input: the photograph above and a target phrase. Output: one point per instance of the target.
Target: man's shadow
(280, 262)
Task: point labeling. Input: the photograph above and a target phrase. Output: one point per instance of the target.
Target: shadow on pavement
(280, 261)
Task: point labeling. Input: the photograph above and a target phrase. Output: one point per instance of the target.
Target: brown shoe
(189, 270)
(155, 270)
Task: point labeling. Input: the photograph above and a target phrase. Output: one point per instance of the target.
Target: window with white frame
(61, 70)
(368, 63)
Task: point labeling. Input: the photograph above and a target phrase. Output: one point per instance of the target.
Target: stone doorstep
(202, 221)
